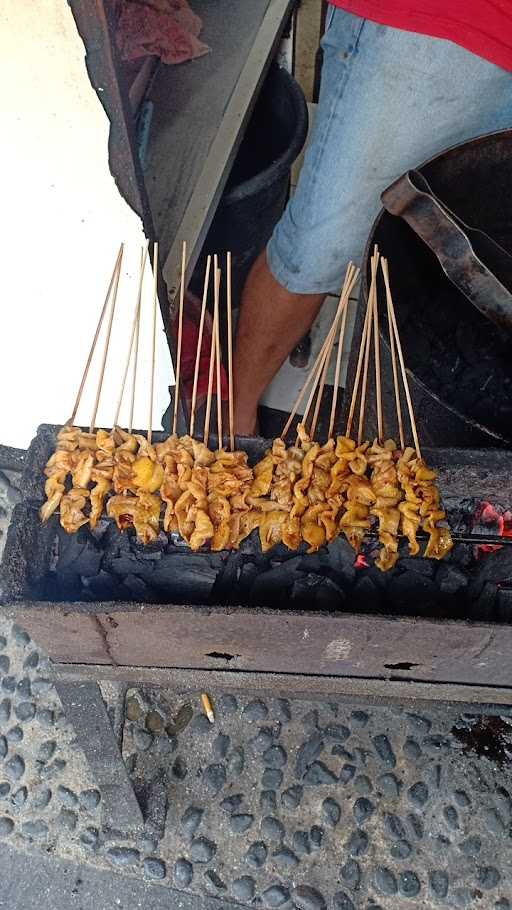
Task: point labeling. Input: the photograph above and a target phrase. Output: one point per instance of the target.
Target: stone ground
(279, 803)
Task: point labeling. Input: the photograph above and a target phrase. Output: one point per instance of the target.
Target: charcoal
(364, 597)
(451, 580)
(136, 587)
(421, 566)
(412, 593)
(227, 578)
(248, 575)
(103, 586)
(122, 565)
(504, 605)
(273, 582)
(183, 578)
(496, 567)
(81, 556)
(317, 592)
(342, 559)
(483, 606)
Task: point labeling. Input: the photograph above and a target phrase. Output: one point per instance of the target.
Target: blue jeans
(389, 100)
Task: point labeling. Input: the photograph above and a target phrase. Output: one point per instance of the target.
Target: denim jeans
(389, 100)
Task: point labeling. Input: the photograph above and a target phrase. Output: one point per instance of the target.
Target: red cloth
(481, 26)
(162, 28)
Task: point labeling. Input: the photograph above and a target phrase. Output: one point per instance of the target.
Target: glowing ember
(487, 514)
(360, 562)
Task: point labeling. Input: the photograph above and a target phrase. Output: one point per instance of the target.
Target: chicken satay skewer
(107, 342)
(392, 346)
(341, 339)
(370, 308)
(206, 435)
(117, 267)
(376, 351)
(180, 334)
(136, 322)
(199, 346)
(385, 270)
(153, 347)
(217, 274)
(230, 353)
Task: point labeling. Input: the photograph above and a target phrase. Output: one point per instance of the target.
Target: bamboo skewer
(180, 333)
(367, 346)
(107, 342)
(355, 390)
(117, 266)
(218, 352)
(317, 372)
(206, 436)
(393, 360)
(341, 339)
(199, 346)
(137, 336)
(134, 334)
(153, 346)
(230, 353)
(401, 359)
(376, 350)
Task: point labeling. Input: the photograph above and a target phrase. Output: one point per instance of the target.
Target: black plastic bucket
(257, 189)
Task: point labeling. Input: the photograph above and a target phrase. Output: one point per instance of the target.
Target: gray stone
(301, 843)
(275, 896)
(123, 856)
(5, 710)
(462, 799)
(243, 889)
(285, 712)
(25, 711)
(401, 849)
(275, 757)
(331, 812)
(221, 745)
(201, 724)
(411, 749)
(45, 717)
(3, 642)
(154, 867)
(214, 777)
(142, 739)
(339, 732)
(20, 636)
(49, 771)
(32, 661)
(191, 819)
(409, 884)
(67, 796)
(451, 817)
(363, 810)
(272, 778)
(66, 820)
(347, 773)
(230, 804)
(389, 785)
(416, 824)
(316, 836)
(34, 830)
(291, 797)
(155, 724)
(418, 793)
(438, 883)
(357, 844)
(262, 741)
(503, 904)
(90, 837)
(268, 800)
(5, 789)
(241, 823)
(46, 750)
(227, 704)
(24, 688)
(340, 751)
(488, 877)
(183, 873)
(318, 773)
(8, 684)
(20, 797)
(310, 721)
(363, 785)
(4, 748)
(308, 752)
(15, 767)
(285, 858)
(420, 724)
(385, 881)
(359, 718)
(256, 855)
(272, 829)
(255, 711)
(341, 901)
(41, 799)
(202, 850)
(41, 686)
(4, 664)
(494, 822)
(6, 826)
(384, 750)
(351, 874)
(214, 880)
(307, 898)
(89, 800)
(235, 762)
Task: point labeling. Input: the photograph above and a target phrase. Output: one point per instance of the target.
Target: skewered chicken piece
(385, 485)
(422, 506)
(71, 509)
(141, 512)
(58, 467)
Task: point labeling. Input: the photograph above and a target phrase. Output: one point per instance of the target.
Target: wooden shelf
(200, 111)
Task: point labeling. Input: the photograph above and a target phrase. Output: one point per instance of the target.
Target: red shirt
(481, 26)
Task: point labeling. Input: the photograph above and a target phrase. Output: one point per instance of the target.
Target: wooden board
(273, 642)
(200, 112)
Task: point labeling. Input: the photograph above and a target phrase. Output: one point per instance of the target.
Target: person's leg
(389, 100)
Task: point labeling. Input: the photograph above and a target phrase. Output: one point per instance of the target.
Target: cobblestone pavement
(290, 804)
